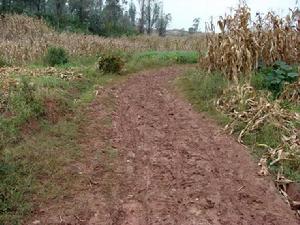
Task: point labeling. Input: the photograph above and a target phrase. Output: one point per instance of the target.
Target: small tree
(132, 13)
(193, 29)
(142, 19)
(162, 23)
(196, 22)
(152, 14)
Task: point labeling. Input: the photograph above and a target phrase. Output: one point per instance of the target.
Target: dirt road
(164, 164)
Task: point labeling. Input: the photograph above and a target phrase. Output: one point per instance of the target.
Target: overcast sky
(184, 11)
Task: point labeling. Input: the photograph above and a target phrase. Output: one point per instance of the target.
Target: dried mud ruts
(173, 166)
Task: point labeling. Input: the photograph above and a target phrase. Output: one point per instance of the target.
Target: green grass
(35, 170)
(152, 59)
(135, 62)
(33, 164)
(32, 167)
(203, 89)
(174, 56)
(22, 104)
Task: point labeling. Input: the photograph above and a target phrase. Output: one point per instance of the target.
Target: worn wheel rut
(181, 169)
(173, 167)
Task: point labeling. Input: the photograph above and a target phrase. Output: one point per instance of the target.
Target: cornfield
(243, 45)
(291, 93)
(25, 39)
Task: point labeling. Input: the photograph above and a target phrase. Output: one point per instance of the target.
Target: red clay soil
(167, 165)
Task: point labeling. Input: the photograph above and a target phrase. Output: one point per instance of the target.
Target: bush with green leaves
(56, 56)
(110, 63)
(279, 74)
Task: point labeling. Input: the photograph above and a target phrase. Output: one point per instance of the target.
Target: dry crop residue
(167, 165)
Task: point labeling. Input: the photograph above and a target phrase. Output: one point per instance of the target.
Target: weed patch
(56, 56)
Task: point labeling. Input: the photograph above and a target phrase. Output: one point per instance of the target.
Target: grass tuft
(202, 90)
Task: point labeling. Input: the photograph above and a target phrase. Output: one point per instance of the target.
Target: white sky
(184, 11)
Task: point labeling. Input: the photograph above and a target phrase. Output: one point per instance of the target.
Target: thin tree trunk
(149, 17)
(142, 19)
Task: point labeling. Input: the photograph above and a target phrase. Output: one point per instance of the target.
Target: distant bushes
(111, 63)
(56, 56)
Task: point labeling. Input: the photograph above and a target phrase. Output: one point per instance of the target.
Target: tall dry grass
(24, 39)
(243, 44)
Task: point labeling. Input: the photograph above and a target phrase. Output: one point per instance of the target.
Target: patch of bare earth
(159, 162)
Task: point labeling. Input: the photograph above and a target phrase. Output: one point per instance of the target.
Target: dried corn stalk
(291, 93)
(242, 45)
(243, 104)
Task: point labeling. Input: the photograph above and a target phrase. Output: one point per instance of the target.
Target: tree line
(101, 17)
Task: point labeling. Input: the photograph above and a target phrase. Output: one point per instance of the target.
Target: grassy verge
(40, 122)
(158, 59)
(203, 89)
(40, 140)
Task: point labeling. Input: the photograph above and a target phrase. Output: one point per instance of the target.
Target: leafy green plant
(110, 63)
(56, 56)
(279, 74)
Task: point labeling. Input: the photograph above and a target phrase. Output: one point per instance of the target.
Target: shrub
(56, 56)
(110, 63)
(278, 75)
(4, 62)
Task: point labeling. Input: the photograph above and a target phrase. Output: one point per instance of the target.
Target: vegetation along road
(159, 162)
(111, 115)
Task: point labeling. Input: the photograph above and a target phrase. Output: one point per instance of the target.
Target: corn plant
(243, 45)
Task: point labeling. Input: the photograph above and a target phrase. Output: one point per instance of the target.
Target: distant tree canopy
(102, 17)
(195, 27)
(153, 16)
